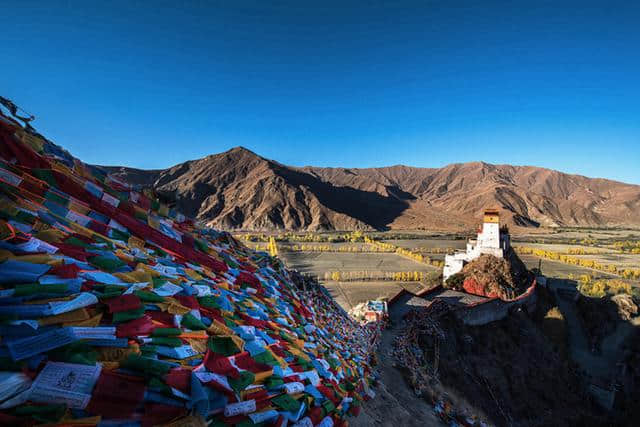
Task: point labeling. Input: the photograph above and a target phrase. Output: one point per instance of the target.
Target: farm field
(606, 257)
(349, 293)
(560, 247)
(317, 263)
(425, 244)
(582, 233)
(330, 245)
(619, 260)
(560, 270)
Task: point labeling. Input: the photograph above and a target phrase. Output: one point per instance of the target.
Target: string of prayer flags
(116, 309)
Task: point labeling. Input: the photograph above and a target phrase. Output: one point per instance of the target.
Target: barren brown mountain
(238, 189)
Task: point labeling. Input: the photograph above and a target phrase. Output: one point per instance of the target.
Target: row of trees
(586, 251)
(587, 241)
(396, 276)
(627, 273)
(376, 246)
(354, 236)
(407, 253)
(628, 246)
(604, 287)
(361, 248)
(340, 248)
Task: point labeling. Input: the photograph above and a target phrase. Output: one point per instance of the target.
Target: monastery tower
(491, 240)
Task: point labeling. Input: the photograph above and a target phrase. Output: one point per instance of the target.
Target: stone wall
(496, 309)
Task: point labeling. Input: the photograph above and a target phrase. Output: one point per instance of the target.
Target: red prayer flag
(116, 395)
(66, 271)
(141, 326)
(163, 317)
(179, 378)
(220, 365)
(155, 414)
(245, 361)
(188, 301)
(123, 303)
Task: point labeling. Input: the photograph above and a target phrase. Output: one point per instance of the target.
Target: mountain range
(239, 189)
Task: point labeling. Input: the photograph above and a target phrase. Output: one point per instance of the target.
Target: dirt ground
(559, 247)
(349, 294)
(317, 263)
(335, 246)
(579, 233)
(561, 270)
(619, 260)
(395, 404)
(428, 243)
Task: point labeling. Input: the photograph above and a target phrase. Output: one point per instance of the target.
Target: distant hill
(238, 189)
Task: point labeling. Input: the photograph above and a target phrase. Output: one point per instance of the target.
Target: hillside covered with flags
(115, 309)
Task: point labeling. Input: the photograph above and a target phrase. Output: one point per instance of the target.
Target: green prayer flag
(158, 281)
(106, 263)
(147, 296)
(77, 352)
(245, 379)
(274, 381)
(165, 332)
(123, 316)
(42, 413)
(192, 322)
(266, 357)
(76, 242)
(35, 288)
(148, 366)
(328, 406)
(113, 289)
(286, 402)
(208, 302)
(223, 346)
(166, 341)
(119, 235)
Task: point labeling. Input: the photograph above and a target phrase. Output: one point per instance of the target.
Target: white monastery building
(491, 240)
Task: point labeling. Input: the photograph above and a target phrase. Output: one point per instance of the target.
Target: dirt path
(395, 403)
(611, 347)
(578, 341)
(601, 366)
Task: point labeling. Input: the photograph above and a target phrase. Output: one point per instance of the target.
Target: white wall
(490, 236)
(488, 242)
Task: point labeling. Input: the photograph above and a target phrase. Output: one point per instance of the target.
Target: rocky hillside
(241, 190)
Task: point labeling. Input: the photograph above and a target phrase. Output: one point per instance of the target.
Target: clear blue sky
(354, 84)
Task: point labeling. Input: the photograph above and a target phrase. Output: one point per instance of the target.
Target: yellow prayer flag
(70, 316)
(91, 322)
